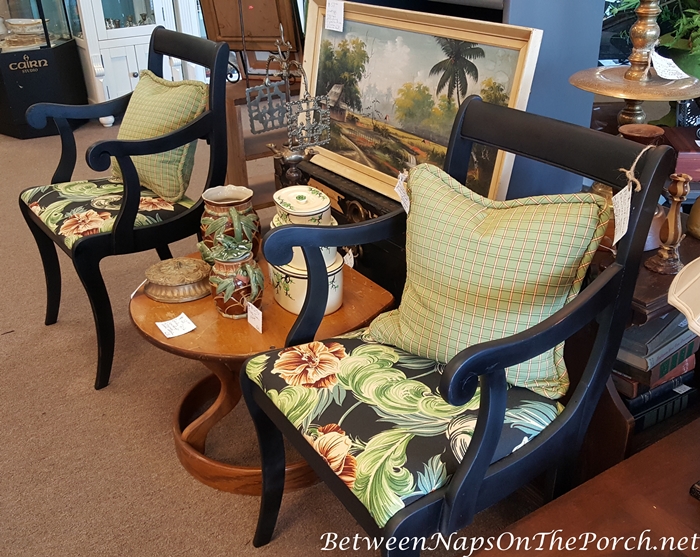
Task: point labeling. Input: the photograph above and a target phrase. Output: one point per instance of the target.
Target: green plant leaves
(295, 402)
(236, 224)
(255, 367)
(381, 479)
(53, 214)
(434, 476)
(213, 227)
(257, 280)
(206, 253)
(227, 248)
(460, 432)
(85, 191)
(531, 416)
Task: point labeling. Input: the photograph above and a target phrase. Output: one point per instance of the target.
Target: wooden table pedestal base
(190, 437)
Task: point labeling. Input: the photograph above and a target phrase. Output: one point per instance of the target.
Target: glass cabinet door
(74, 18)
(125, 18)
(128, 13)
(23, 24)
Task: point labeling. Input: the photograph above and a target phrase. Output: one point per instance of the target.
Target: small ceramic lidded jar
(235, 278)
(310, 206)
(298, 261)
(234, 283)
(228, 209)
(290, 286)
(303, 205)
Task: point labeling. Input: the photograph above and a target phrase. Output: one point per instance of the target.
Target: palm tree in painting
(454, 69)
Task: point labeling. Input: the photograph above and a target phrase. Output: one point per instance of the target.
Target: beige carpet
(94, 473)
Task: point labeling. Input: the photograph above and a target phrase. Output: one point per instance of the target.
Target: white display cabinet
(113, 38)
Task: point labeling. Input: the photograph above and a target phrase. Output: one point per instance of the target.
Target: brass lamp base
(666, 262)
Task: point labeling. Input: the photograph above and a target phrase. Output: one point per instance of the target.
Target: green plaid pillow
(480, 270)
(158, 107)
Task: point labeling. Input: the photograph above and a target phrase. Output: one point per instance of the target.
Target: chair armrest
(38, 114)
(98, 154)
(277, 247)
(461, 375)
(98, 158)
(484, 364)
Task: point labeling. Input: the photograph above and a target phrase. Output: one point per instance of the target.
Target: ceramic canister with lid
(290, 285)
(303, 205)
(298, 261)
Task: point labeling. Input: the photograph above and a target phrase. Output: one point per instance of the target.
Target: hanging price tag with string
(401, 190)
(621, 209)
(622, 200)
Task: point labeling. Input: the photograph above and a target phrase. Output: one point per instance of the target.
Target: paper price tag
(400, 189)
(254, 317)
(666, 68)
(349, 259)
(621, 208)
(176, 327)
(680, 389)
(335, 13)
(137, 288)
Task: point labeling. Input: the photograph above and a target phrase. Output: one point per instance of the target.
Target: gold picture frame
(390, 113)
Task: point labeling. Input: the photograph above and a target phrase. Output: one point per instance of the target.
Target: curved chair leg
(88, 270)
(272, 457)
(52, 269)
(164, 252)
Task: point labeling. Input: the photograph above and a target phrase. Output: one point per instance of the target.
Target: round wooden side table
(222, 345)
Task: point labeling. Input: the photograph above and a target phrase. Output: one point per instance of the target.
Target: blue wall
(570, 43)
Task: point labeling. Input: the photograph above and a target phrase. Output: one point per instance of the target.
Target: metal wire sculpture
(270, 106)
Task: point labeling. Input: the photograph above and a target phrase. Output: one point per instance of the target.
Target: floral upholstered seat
(72, 210)
(374, 413)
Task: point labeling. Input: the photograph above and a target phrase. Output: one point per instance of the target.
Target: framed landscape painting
(394, 80)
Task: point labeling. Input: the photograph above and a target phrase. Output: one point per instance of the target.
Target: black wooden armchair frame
(88, 251)
(477, 484)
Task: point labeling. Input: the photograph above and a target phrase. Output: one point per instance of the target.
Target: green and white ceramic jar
(303, 205)
(298, 261)
(290, 285)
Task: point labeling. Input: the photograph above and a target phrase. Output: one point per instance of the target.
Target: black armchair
(411, 446)
(90, 220)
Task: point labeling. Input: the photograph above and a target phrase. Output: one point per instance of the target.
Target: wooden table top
(217, 338)
(644, 496)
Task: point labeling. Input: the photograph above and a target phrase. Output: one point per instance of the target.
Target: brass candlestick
(644, 34)
(667, 260)
(638, 82)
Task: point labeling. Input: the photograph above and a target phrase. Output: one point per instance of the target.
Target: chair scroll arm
(98, 155)
(460, 377)
(277, 247)
(98, 158)
(38, 114)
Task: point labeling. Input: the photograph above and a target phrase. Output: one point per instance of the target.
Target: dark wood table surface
(222, 345)
(645, 497)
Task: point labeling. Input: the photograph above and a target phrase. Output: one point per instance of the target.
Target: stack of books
(655, 366)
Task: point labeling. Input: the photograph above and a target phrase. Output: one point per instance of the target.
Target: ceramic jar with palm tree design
(229, 210)
(235, 277)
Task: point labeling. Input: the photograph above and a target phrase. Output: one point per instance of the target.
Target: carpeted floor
(94, 473)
